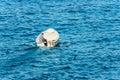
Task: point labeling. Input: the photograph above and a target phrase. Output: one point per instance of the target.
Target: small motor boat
(48, 38)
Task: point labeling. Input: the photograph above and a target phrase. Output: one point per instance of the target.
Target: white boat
(48, 38)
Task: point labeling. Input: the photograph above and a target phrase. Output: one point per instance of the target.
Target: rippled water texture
(89, 47)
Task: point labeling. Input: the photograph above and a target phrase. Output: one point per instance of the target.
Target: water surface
(89, 45)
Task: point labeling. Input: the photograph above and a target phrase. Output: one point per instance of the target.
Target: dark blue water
(89, 45)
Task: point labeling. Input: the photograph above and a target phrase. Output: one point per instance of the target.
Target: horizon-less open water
(89, 45)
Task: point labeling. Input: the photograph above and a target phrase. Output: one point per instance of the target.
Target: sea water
(89, 45)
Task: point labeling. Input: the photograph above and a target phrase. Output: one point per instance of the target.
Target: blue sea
(89, 45)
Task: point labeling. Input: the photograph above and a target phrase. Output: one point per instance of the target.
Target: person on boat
(43, 39)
